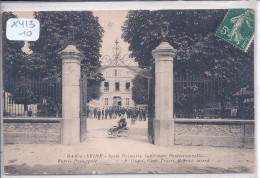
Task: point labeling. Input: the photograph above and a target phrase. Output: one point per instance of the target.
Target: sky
(110, 20)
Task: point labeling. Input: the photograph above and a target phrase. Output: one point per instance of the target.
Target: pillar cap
(164, 50)
(71, 50)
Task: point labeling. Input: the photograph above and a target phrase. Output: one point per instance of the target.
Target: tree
(45, 63)
(140, 90)
(17, 63)
(13, 61)
(19, 69)
(54, 38)
(192, 33)
(199, 51)
(13, 56)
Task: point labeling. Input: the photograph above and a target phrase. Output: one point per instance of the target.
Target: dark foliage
(54, 38)
(200, 53)
(192, 33)
(13, 56)
(140, 90)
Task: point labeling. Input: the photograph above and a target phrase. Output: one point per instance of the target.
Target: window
(115, 72)
(106, 101)
(117, 101)
(10, 100)
(127, 86)
(117, 86)
(127, 101)
(106, 86)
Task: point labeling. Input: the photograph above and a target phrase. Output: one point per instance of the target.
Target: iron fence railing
(31, 97)
(194, 97)
(210, 97)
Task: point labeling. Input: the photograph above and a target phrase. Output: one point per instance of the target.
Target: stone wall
(32, 130)
(214, 132)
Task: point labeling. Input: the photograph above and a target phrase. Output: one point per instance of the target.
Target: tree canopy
(87, 38)
(199, 51)
(44, 63)
(54, 38)
(192, 33)
(139, 90)
(13, 56)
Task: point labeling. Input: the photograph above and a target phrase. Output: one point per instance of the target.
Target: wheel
(111, 133)
(114, 133)
(126, 132)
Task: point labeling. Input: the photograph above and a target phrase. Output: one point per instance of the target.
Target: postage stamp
(238, 28)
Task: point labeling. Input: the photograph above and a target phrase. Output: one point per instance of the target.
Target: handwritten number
(15, 23)
(21, 23)
(28, 33)
(24, 24)
(31, 23)
(22, 29)
(22, 33)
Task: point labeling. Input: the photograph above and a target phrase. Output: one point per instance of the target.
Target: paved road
(134, 154)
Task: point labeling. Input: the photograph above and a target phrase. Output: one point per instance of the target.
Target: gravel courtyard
(134, 154)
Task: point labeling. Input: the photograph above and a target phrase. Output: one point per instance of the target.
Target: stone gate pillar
(71, 59)
(163, 121)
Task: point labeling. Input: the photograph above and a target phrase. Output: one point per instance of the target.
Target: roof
(134, 69)
(244, 91)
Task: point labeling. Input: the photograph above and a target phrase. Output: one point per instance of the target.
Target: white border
(151, 5)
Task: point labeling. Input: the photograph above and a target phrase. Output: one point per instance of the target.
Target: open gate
(151, 106)
(150, 75)
(151, 112)
(83, 108)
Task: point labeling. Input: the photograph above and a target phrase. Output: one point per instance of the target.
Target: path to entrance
(123, 155)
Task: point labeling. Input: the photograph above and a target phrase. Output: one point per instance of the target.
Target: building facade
(117, 87)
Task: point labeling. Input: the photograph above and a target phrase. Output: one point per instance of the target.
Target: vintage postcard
(165, 90)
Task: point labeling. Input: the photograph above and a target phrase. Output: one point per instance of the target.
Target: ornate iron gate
(83, 108)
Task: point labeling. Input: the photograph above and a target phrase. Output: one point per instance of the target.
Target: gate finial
(71, 33)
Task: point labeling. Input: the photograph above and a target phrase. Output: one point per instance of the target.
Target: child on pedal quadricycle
(120, 130)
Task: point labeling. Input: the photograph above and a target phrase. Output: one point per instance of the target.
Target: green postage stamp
(238, 27)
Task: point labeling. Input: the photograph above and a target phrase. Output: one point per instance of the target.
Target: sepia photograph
(150, 91)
